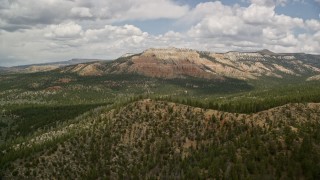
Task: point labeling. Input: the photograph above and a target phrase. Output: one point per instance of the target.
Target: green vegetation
(43, 117)
(149, 139)
(96, 127)
(257, 100)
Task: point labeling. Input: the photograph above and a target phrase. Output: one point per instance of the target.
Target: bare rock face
(177, 63)
(253, 65)
(169, 63)
(36, 68)
(91, 69)
(314, 78)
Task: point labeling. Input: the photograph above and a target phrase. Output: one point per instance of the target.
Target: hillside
(164, 114)
(162, 140)
(33, 68)
(314, 78)
(3, 69)
(170, 63)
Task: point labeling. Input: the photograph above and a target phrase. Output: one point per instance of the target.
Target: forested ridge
(122, 125)
(157, 139)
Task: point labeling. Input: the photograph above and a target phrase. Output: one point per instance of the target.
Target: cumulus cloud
(26, 14)
(269, 3)
(252, 27)
(81, 12)
(155, 9)
(69, 40)
(51, 30)
(263, 2)
(203, 10)
(19, 14)
(257, 14)
(313, 24)
(64, 30)
(212, 27)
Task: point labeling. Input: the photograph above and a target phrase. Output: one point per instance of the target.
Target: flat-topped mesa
(172, 62)
(175, 54)
(169, 49)
(257, 56)
(182, 62)
(234, 56)
(268, 53)
(168, 63)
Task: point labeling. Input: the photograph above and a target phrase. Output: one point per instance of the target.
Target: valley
(164, 113)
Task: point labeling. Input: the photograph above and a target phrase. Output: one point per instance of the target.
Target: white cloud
(64, 30)
(113, 32)
(81, 12)
(313, 24)
(124, 10)
(269, 2)
(252, 27)
(50, 30)
(69, 40)
(216, 27)
(25, 14)
(155, 9)
(272, 34)
(32, 12)
(173, 35)
(263, 2)
(310, 43)
(287, 22)
(207, 9)
(257, 14)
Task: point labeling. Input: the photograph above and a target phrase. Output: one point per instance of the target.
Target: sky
(40, 31)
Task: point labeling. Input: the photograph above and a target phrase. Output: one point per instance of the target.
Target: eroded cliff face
(93, 69)
(314, 78)
(254, 65)
(171, 63)
(175, 63)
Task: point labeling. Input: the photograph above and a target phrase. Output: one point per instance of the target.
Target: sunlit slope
(147, 138)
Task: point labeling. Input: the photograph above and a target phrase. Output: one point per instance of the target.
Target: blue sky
(307, 9)
(33, 31)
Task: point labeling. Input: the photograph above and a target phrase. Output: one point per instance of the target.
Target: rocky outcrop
(41, 68)
(177, 63)
(166, 63)
(33, 68)
(314, 78)
(169, 63)
(94, 69)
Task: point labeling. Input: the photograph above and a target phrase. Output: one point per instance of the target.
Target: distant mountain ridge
(172, 63)
(266, 52)
(3, 68)
(46, 66)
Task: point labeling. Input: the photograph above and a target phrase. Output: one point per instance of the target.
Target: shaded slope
(148, 139)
